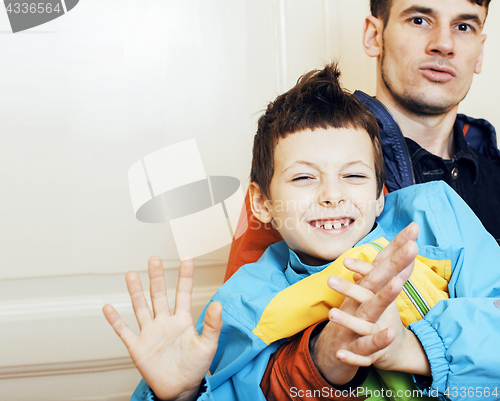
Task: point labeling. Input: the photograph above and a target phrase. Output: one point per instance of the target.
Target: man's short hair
(382, 8)
(316, 101)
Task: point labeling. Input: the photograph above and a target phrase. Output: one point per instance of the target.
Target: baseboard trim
(65, 368)
(75, 306)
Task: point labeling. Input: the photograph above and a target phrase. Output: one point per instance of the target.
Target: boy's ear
(259, 203)
(372, 36)
(380, 203)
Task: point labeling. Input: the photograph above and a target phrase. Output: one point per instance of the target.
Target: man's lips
(438, 73)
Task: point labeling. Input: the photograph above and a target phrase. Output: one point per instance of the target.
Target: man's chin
(424, 98)
(425, 104)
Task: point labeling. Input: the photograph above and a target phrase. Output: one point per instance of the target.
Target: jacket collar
(462, 151)
(480, 136)
(297, 270)
(398, 166)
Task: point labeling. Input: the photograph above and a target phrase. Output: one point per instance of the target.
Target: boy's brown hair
(316, 101)
(382, 8)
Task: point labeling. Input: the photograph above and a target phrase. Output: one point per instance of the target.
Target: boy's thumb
(213, 323)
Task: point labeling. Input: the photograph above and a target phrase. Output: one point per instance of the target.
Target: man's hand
(169, 353)
(361, 330)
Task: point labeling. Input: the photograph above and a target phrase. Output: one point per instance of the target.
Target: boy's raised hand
(367, 328)
(169, 353)
(383, 338)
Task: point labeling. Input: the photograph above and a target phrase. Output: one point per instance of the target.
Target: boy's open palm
(169, 353)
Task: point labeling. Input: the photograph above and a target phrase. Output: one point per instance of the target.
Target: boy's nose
(331, 196)
(330, 203)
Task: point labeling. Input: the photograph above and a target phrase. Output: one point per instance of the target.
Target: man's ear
(479, 62)
(372, 36)
(259, 203)
(380, 203)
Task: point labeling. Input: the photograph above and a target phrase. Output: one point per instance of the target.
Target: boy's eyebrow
(356, 162)
(432, 13)
(315, 166)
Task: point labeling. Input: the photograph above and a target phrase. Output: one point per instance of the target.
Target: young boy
(317, 177)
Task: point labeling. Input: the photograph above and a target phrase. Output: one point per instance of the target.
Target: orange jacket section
(250, 246)
(291, 374)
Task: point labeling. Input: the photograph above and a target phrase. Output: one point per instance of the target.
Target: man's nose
(441, 41)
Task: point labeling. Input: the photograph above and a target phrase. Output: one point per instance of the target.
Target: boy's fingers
(184, 286)
(353, 359)
(403, 258)
(141, 309)
(358, 266)
(123, 331)
(358, 326)
(350, 290)
(398, 261)
(405, 274)
(377, 305)
(363, 349)
(409, 233)
(212, 325)
(157, 286)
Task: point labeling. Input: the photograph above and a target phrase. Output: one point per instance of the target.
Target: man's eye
(464, 27)
(419, 21)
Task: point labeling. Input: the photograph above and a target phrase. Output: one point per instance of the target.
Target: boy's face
(323, 192)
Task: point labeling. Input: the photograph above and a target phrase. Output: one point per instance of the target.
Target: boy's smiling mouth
(332, 224)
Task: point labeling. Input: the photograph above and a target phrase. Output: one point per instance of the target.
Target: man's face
(430, 52)
(323, 192)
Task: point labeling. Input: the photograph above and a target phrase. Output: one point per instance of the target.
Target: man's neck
(433, 133)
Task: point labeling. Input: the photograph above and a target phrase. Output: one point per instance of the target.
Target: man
(427, 53)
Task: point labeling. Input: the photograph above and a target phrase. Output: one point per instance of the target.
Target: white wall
(84, 97)
(481, 101)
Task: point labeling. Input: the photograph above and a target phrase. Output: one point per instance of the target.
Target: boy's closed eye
(358, 177)
(351, 177)
(302, 178)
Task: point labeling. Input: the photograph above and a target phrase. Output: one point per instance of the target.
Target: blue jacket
(459, 334)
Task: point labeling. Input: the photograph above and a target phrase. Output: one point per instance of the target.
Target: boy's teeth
(336, 225)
